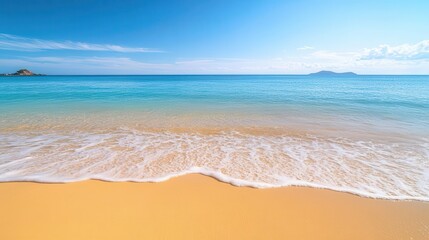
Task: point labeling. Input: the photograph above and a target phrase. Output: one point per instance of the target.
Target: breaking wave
(377, 169)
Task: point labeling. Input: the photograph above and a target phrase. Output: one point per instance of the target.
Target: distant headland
(330, 73)
(22, 72)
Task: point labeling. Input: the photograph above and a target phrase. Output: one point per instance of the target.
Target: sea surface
(367, 135)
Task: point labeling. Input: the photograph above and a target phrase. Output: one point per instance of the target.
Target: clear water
(367, 135)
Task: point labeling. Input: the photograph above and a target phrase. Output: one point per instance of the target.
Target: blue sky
(214, 37)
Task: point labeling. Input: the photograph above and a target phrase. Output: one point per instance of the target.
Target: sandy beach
(214, 120)
(200, 207)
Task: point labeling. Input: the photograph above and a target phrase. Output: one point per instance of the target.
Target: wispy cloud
(402, 59)
(104, 63)
(124, 65)
(333, 56)
(401, 52)
(17, 43)
(304, 48)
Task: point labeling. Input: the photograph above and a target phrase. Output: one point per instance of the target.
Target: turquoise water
(357, 134)
(403, 98)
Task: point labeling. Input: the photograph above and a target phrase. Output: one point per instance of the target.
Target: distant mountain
(22, 72)
(330, 73)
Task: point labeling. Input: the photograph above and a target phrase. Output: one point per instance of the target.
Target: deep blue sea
(368, 135)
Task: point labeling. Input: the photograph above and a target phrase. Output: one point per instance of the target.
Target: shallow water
(367, 135)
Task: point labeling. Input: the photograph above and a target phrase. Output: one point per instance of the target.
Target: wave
(388, 170)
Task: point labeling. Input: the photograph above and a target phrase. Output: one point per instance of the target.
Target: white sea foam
(392, 170)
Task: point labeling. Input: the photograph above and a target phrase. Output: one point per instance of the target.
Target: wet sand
(200, 207)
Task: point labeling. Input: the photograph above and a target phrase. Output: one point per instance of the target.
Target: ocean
(367, 135)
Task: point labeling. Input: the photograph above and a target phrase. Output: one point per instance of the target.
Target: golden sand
(199, 207)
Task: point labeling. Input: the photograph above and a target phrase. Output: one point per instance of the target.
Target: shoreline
(201, 207)
(221, 178)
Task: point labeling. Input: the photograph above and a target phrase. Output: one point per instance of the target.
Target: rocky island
(331, 74)
(22, 72)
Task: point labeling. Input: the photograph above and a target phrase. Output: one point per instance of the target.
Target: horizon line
(214, 74)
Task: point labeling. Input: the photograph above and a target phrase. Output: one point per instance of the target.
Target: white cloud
(303, 63)
(413, 52)
(194, 61)
(333, 56)
(304, 48)
(12, 42)
(121, 65)
(416, 51)
(297, 65)
(82, 65)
